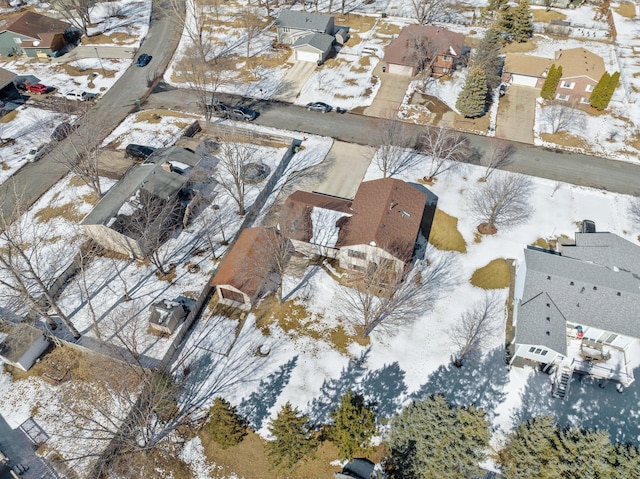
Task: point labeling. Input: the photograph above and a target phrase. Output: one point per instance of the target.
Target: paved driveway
(390, 94)
(294, 80)
(20, 450)
(516, 114)
(346, 164)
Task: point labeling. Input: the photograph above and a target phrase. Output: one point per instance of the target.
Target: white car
(79, 95)
(35, 153)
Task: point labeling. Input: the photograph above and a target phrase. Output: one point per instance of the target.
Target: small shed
(165, 316)
(342, 35)
(358, 468)
(23, 346)
(313, 48)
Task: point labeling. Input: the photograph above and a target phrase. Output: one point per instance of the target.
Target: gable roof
(529, 65)
(320, 41)
(251, 248)
(6, 77)
(443, 41)
(36, 26)
(387, 213)
(583, 293)
(315, 22)
(574, 61)
(19, 341)
(605, 249)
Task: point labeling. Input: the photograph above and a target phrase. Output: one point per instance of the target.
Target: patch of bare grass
(9, 116)
(76, 71)
(68, 211)
(515, 47)
(541, 243)
(495, 275)
(545, 16)
(388, 29)
(356, 23)
(115, 38)
(626, 9)
(155, 116)
(564, 138)
(444, 233)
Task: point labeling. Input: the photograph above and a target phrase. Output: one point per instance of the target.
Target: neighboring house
(23, 346)
(424, 46)
(9, 93)
(309, 34)
(379, 226)
(581, 72)
(577, 309)
(34, 35)
(165, 316)
(246, 269)
(162, 177)
(557, 3)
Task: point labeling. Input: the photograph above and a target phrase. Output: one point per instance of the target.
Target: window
(544, 353)
(562, 97)
(286, 29)
(356, 254)
(589, 88)
(446, 58)
(584, 100)
(532, 349)
(538, 351)
(568, 84)
(356, 267)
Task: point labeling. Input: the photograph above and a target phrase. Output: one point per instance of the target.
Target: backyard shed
(23, 346)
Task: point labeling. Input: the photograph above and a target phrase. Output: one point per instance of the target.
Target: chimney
(168, 167)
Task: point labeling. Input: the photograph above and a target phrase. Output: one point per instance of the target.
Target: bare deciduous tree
(559, 118)
(446, 148)
(384, 299)
(76, 12)
(497, 156)
(422, 52)
(395, 153)
(475, 326)
(204, 77)
(502, 201)
(235, 156)
(252, 24)
(429, 11)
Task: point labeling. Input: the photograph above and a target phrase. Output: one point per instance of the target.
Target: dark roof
(320, 41)
(314, 22)
(19, 341)
(6, 77)
(359, 468)
(36, 26)
(441, 40)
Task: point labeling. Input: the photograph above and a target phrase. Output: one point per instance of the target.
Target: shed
(313, 48)
(342, 35)
(165, 316)
(23, 346)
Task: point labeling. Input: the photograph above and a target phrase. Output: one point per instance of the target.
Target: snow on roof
(325, 229)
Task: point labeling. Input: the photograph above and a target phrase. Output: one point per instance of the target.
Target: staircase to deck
(562, 380)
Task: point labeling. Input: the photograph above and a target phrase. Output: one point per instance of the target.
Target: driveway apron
(516, 114)
(293, 81)
(390, 94)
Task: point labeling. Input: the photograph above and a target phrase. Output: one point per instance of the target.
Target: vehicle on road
(217, 108)
(35, 153)
(319, 106)
(139, 151)
(143, 60)
(38, 88)
(242, 113)
(80, 95)
(63, 130)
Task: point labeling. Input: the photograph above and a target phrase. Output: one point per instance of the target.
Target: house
(309, 34)
(23, 346)
(245, 271)
(581, 72)
(557, 3)
(9, 95)
(380, 225)
(576, 309)
(34, 35)
(420, 47)
(165, 316)
(358, 468)
(116, 221)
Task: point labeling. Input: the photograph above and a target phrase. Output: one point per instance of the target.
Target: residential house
(115, 222)
(309, 34)
(380, 225)
(576, 309)
(420, 47)
(246, 269)
(23, 346)
(34, 35)
(581, 72)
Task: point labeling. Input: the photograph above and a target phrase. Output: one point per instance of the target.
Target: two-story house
(34, 35)
(309, 34)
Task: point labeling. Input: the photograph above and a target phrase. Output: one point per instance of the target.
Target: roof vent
(548, 318)
(548, 333)
(548, 277)
(619, 294)
(595, 288)
(405, 214)
(571, 283)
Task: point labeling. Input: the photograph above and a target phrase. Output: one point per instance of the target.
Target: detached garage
(314, 48)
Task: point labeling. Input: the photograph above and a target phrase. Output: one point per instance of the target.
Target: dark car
(139, 151)
(319, 106)
(242, 113)
(503, 89)
(143, 60)
(217, 108)
(63, 130)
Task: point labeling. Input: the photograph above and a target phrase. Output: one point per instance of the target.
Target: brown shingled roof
(574, 61)
(36, 26)
(444, 41)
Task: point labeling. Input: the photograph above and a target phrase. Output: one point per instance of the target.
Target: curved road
(34, 179)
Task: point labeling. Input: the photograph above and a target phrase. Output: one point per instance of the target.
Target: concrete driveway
(390, 94)
(294, 80)
(346, 165)
(516, 114)
(98, 51)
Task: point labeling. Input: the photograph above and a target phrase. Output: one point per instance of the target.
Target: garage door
(523, 80)
(400, 69)
(307, 56)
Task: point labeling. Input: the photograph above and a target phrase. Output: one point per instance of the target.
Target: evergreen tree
(583, 453)
(529, 453)
(598, 95)
(294, 438)
(226, 426)
(522, 27)
(431, 438)
(487, 57)
(473, 97)
(548, 91)
(627, 461)
(353, 426)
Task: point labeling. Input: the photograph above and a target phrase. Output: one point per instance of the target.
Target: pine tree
(627, 461)
(583, 453)
(548, 91)
(431, 438)
(522, 28)
(603, 91)
(487, 57)
(226, 426)
(294, 438)
(353, 426)
(529, 453)
(473, 97)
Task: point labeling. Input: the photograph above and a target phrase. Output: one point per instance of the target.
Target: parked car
(35, 153)
(217, 108)
(242, 113)
(63, 130)
(139, 151)
(79, 95)
(143, 60)
(319, 106)
(38, 88)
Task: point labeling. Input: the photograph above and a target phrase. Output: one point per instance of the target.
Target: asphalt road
(558, 165)
(33, 180)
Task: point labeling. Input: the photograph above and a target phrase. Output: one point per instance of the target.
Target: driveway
(516, 114)
(390, 94)
(294, 80)
(20, 450)
(97, 51)
(346, 165)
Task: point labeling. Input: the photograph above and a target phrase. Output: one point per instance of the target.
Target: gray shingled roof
(303, 21)
(606, 249)
(578, 291)
(321, 41)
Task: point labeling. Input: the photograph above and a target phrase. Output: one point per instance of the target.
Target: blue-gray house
(33, 35)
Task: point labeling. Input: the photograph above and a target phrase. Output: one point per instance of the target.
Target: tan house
(34, 35)
(245, 271)
(380, 224)
(420, 47)
(581, 72)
